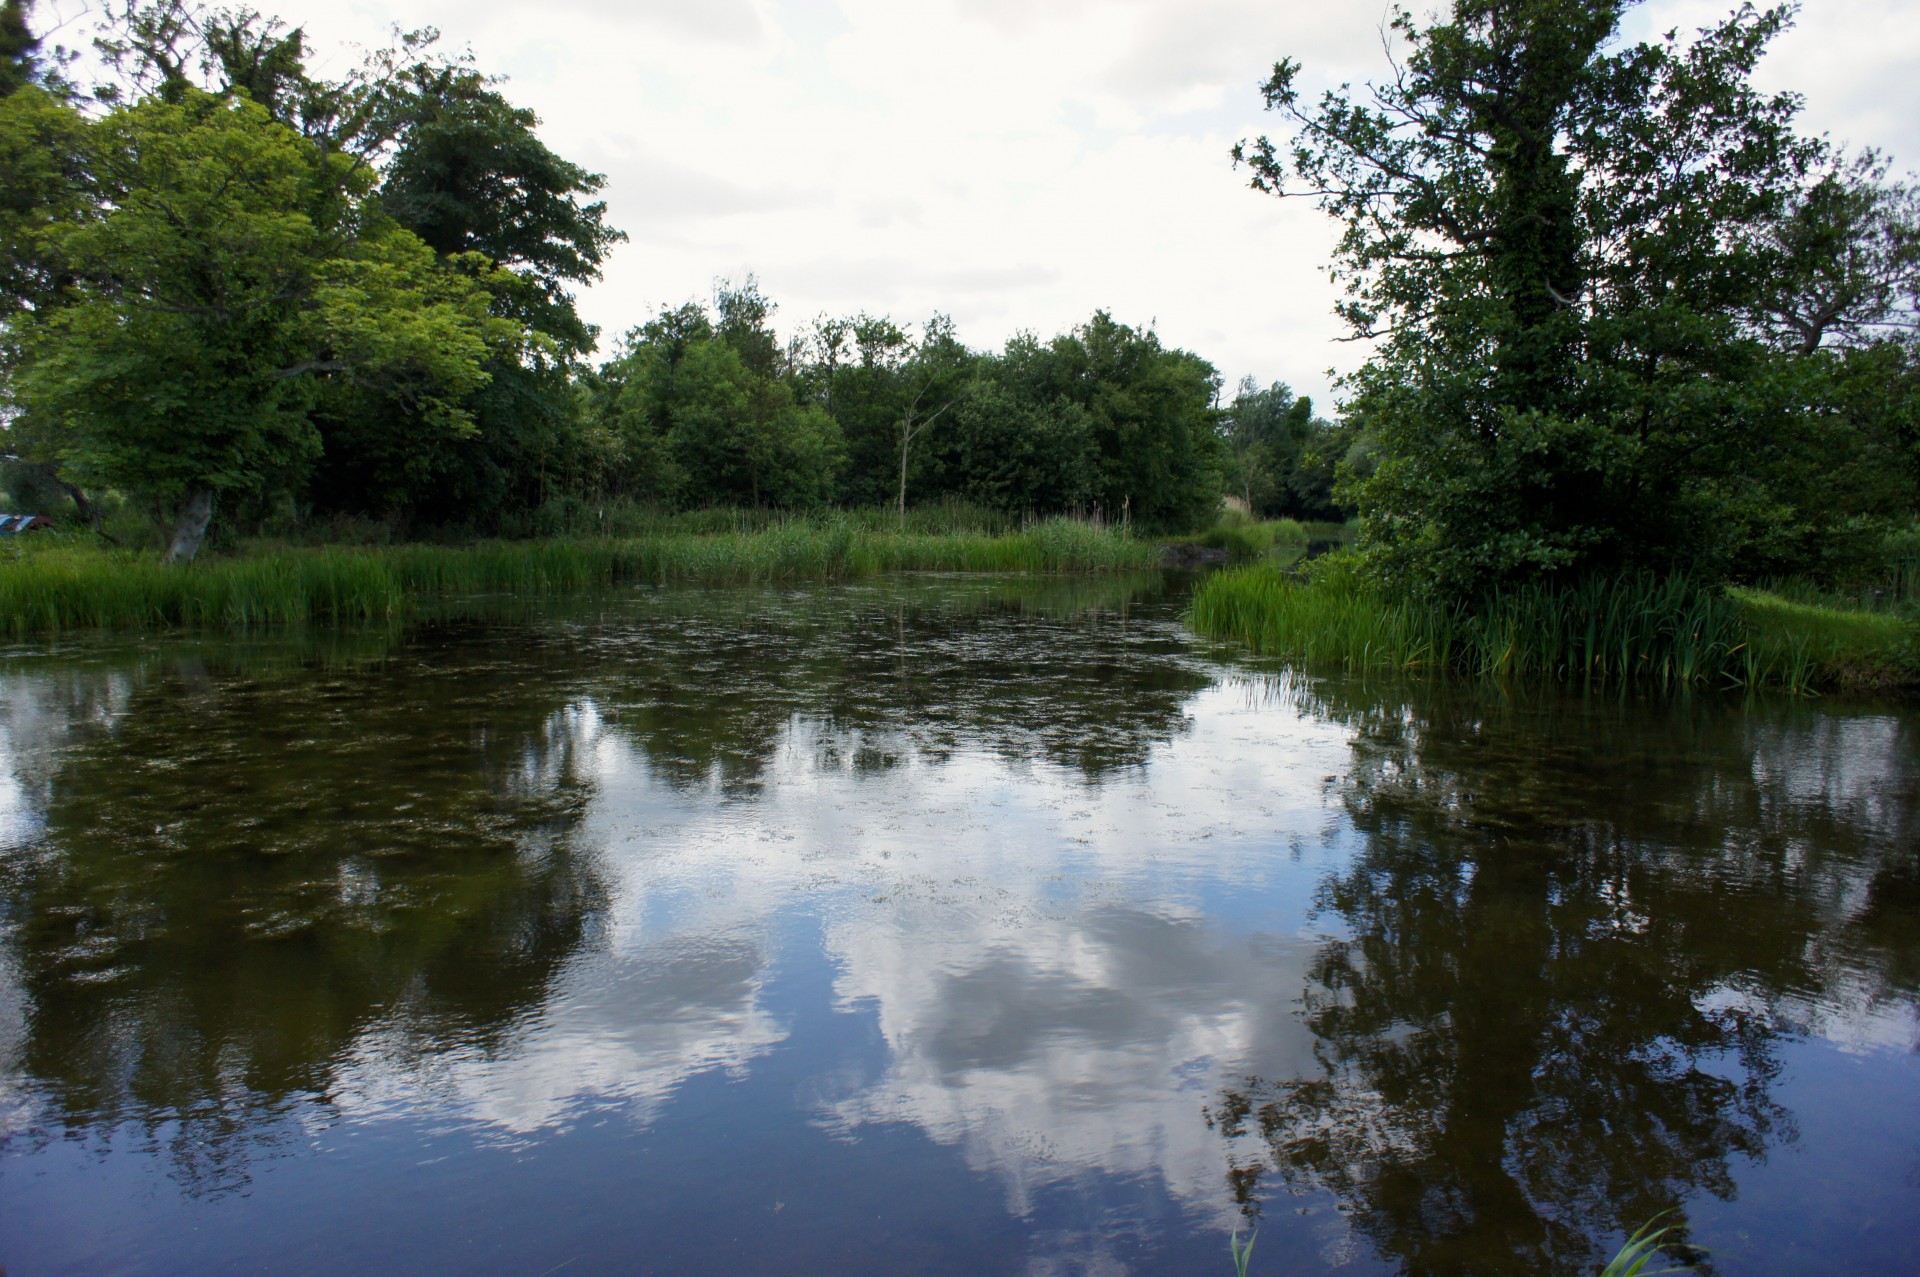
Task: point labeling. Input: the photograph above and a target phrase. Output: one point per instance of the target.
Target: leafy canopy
(1562, 248)
(225, 264)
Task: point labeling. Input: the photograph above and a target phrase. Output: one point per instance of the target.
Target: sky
(1016, 164)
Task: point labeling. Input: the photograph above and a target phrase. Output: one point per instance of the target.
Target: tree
(226, 268)
(740, 439)
(470, 175)
(1158, 455)
(461, 167)
(1265, 431)
(1843, 262)
(685, 418)
(1557, 244)
(19, 47)
(743, 319)
(163, 48)
(1007, 452)
(933, 379)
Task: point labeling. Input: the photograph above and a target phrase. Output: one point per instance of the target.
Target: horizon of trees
(239, 295)
(1624, 317)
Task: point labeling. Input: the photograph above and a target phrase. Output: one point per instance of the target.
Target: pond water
(934, 925)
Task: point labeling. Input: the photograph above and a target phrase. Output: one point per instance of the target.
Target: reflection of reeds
(56, 588)
(1637, 630)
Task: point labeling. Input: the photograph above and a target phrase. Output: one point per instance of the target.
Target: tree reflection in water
(230, 866)
(1569, 962)
(244, 864)
(1008, 868)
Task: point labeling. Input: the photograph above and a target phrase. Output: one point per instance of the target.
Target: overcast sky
(1015, 163)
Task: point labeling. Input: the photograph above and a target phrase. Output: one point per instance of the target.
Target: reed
(55, 588)
(1640, 630)
(1637, 1252)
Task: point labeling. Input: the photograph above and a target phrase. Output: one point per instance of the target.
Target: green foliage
(43, 155)
(229, 265)
(1007, 452)
(681, 416)
(1157, 455)
(1643, 630)
(1638, 1251)
(1242, 1255)
(735, 437)
(1282, 458)
(19, 66)
(470, 175)
(1599, 275)
(569, 516)
(401, 407)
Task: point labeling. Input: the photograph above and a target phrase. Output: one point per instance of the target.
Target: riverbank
(52, 587)
(1640, 631)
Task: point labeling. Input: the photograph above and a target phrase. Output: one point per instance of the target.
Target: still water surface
(937, 925)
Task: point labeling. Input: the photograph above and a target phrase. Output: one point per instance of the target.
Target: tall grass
(576, 517)
(59, 588)
(53, 588)
(1245, 538)
(1639, 630)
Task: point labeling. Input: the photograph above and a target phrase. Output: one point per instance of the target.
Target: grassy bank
(47, 587)
(1638, 631)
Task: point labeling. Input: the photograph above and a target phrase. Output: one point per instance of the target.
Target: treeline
(238, 295)
(706, 407)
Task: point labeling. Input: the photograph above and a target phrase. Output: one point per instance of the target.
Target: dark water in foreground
(933, 926)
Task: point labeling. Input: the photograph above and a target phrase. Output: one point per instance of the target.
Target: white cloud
(1017, 163)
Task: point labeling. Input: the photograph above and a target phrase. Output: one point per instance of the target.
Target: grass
(1245, 538)
(48, 587)
(1645, 631)
(573, 517)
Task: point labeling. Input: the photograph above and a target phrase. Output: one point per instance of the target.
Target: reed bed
(58, 589)
(55, 588)
(1635, 631)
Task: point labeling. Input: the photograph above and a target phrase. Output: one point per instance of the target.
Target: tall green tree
(462, 168)
(1558, 242)
(1266, 429)
(685, 418)
(470, 176)
(1007, 451)
(1158, 458)
(226, 269)
(738, 438)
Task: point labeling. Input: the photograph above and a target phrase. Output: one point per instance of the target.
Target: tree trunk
(86, 509)
(190, 529)
(906, 440)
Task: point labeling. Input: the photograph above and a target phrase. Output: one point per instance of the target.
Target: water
(937, 925)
